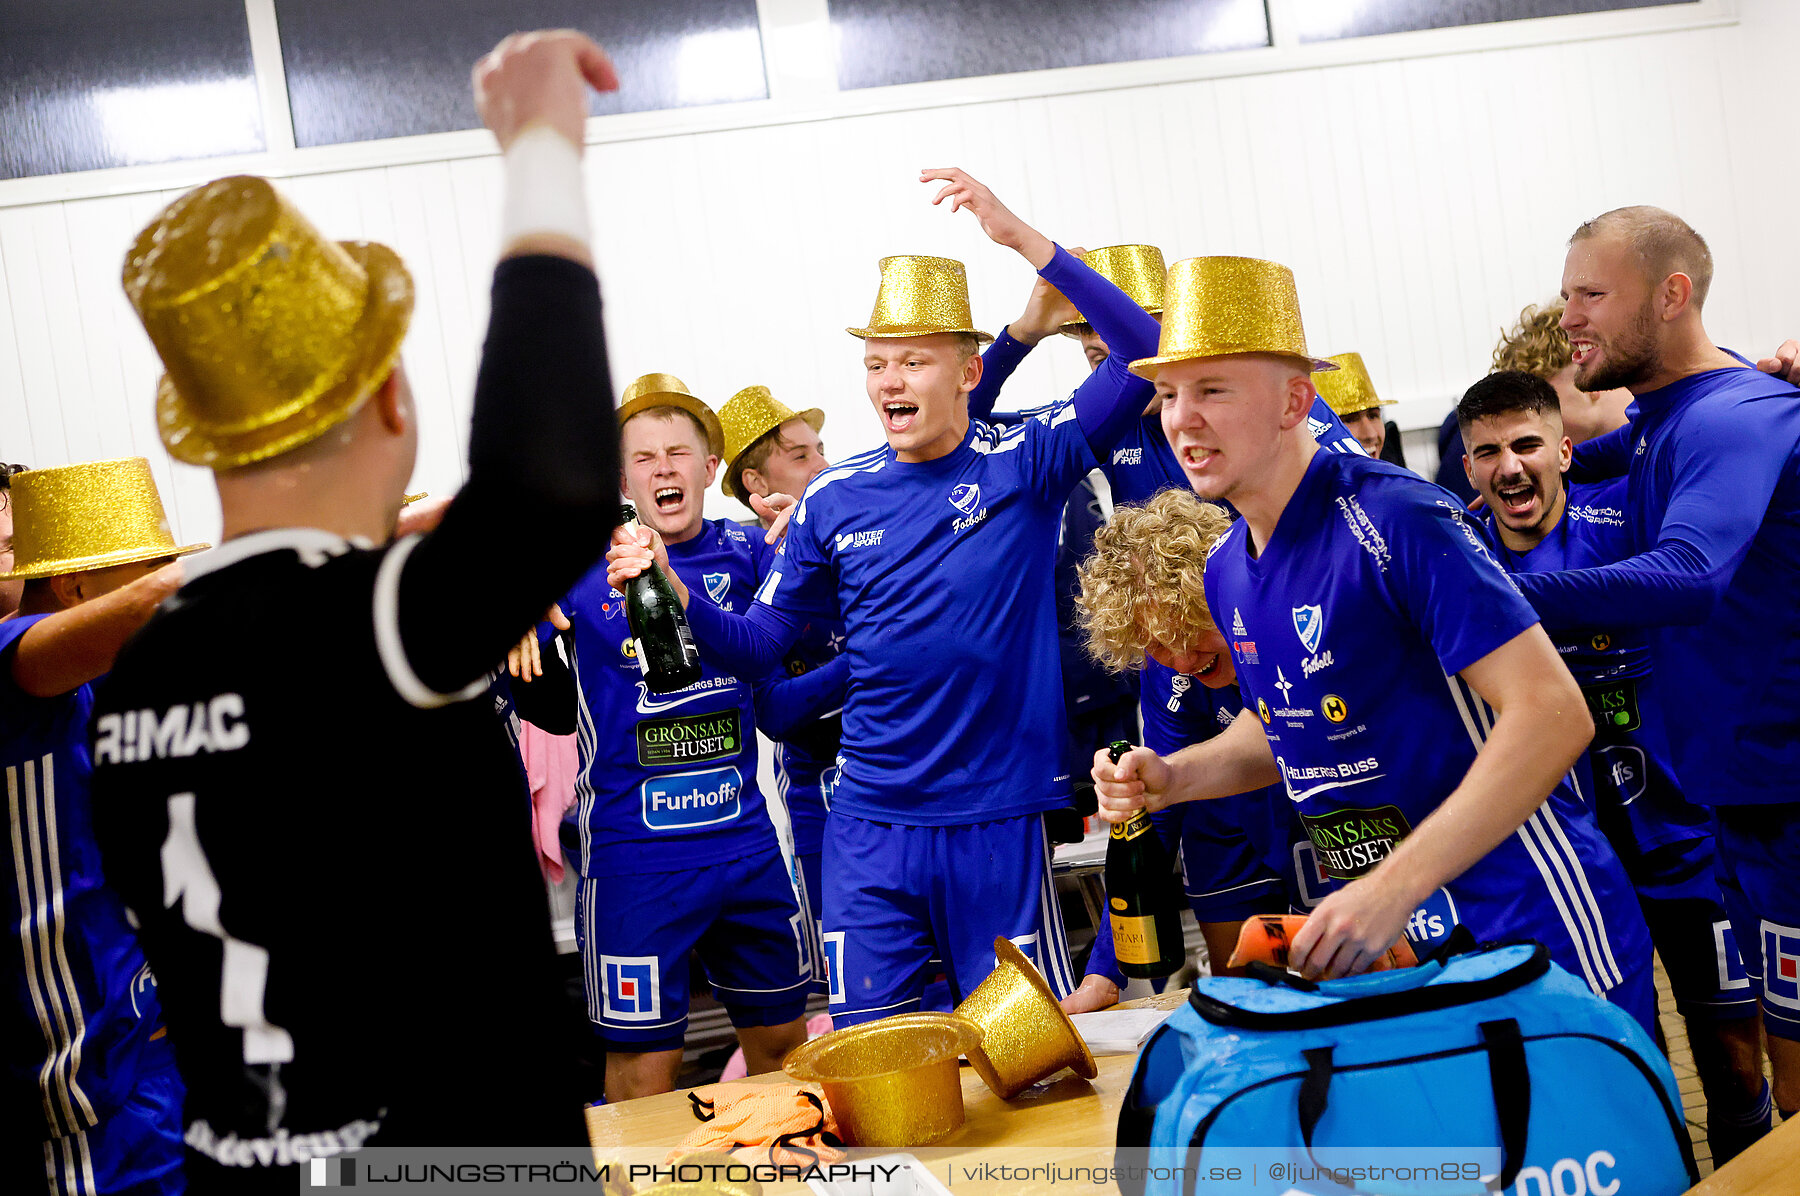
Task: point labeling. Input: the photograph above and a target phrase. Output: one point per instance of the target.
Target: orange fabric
(1268, 938)
(748, 1118)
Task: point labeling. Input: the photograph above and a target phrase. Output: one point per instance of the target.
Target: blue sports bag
(1492, 1070)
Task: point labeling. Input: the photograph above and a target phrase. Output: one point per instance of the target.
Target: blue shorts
(1758, 876)
(135, 1150)
(806, 868)
(1238, 857)
(898, 895)
(1678, 889)
(635, 933)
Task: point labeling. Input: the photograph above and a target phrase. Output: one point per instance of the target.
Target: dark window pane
(911, 41)
(1325, 20)
(358, 70)
(91, 83)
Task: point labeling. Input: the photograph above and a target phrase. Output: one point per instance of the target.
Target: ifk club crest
(1309, 625)
(717, 586)
(966, 497)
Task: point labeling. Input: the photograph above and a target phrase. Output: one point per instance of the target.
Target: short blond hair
(1536, 344)
(1144, 582)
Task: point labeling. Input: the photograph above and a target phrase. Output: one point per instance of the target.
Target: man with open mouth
(668, 809)
(1712, 458)
(937, 551)
(1517, 458)
(1394, 682)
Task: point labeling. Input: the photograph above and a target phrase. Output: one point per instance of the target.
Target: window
(86, 84)
(1327, 20)
(911, 41)
(358, 70)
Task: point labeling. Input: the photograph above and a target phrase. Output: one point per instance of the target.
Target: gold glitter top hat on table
(270, 334)
(1135, 269)
(1347, 389)
(666, 390)
(1025, 1035)
(71, 518)
(748, 416)
(891, 1082)
(921, 296)
(1218, 306)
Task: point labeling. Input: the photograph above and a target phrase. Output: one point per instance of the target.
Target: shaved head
(1664, 243)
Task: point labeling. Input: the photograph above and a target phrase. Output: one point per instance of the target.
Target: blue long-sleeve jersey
(942, 573)
(1713, 506)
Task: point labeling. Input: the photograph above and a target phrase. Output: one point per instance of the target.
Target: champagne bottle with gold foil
(1141, 899)
(665, 650)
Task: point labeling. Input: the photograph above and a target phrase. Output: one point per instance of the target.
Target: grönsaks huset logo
(966, 497)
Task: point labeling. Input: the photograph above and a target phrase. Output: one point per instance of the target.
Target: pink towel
(551, 762)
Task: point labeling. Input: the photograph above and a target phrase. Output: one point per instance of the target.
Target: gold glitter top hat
(71, 518)
(748, 416)
(921, 296)
(666, 390)
(1135, 269)
(270, 333)
(891, 1082)
(1025, 1035)
(1347, 389)
(1216, 306)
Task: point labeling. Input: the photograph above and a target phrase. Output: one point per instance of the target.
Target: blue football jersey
(942, 573)
(1348, 632)
(82, 1020)
(1630, 753)
(808, 752)
(667, 781)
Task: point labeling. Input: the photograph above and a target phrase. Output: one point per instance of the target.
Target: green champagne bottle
(1141, 898)
(660, 639)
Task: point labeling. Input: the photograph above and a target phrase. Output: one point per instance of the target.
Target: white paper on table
(1118, 1031)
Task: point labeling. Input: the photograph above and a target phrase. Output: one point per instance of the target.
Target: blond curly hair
(1536, 344)
(1143, 582)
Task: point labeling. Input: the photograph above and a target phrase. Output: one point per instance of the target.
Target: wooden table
(1067, 1121)
(1769, 1168)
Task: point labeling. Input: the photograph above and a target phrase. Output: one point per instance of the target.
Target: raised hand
(777, 509)
(997, 220)
(1046, 311)
(1784, 363)
(541, 78)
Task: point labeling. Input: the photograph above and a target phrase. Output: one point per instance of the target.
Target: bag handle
(1508, 1076)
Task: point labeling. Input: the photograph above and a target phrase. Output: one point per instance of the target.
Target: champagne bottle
(660, 639)
(1141, 898)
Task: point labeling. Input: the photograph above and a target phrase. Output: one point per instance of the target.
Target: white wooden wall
(1421, 202)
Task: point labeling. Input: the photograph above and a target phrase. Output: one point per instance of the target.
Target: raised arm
(1046, 311)
(1603, 457)
(543, 447)
(1112, 396)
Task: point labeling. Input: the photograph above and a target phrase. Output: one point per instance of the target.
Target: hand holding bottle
(1135, 780)
(637, 549)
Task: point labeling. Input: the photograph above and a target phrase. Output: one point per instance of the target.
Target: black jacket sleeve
(543, 490)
